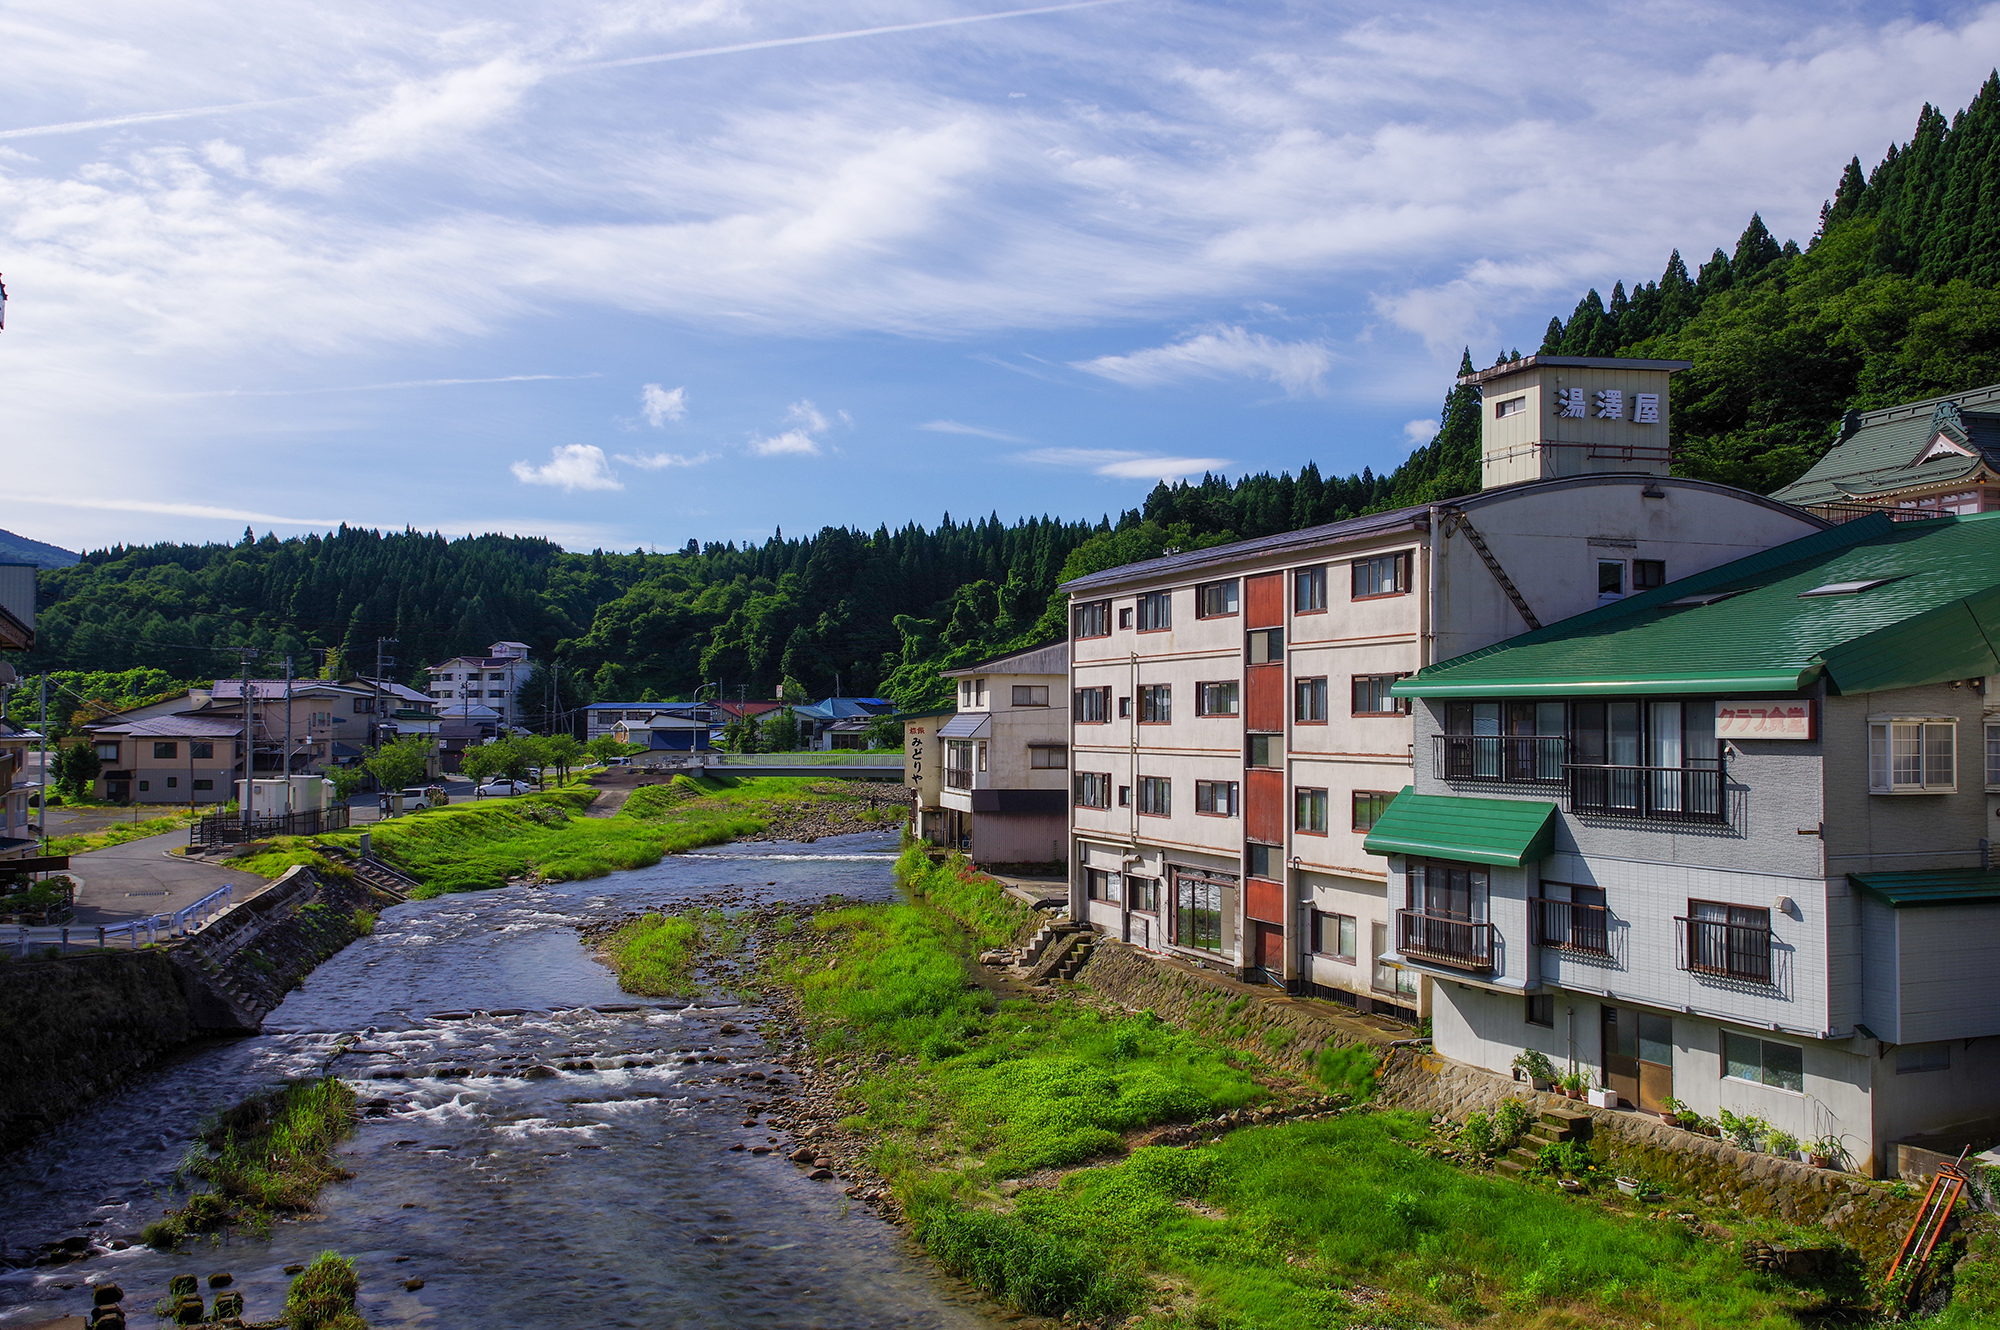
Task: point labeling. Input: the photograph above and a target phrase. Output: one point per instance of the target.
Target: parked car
(496, 788)
(418, 797)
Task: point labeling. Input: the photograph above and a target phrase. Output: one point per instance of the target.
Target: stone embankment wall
(78, 1027)
(1291, 1032)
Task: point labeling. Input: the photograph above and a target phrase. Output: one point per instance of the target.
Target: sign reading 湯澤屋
(1790, 719)
(1606, 404)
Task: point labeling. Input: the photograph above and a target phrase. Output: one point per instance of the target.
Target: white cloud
(1297, 367)
(1420, 432)
(1123, 464)
(660, 461)
(807, 417)
(954, 427)
(661, 406)
(793, 442)
(177, 510)
(572, 467)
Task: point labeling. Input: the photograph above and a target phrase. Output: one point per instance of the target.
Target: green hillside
(19, 549)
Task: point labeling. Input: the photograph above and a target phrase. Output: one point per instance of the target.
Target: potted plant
(1824, 1152)
(1673, 1111)
(1784, 1144)
(1572, 1083)
(1534, 1066)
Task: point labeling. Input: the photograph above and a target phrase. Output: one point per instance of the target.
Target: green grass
(322, 1296)
(268, 1155)
(655, 955)
(117, 835)
(990, 916)
(466, 847)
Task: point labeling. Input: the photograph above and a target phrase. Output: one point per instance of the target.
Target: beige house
(1233, 736)
(184, 759)
(1001, 763)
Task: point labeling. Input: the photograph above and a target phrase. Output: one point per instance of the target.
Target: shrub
(1510, 1123)
(1476, 1136)
(1349, 1070)
(1535, 1065)
(1036, 1272)
(322, 1297)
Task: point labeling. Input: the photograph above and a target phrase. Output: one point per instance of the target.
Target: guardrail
(227, 829)
(184, 922)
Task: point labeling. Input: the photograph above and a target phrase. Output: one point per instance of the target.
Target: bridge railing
(24, 941)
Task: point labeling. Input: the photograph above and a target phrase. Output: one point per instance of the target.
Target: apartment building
(1728, 841)
(1234, 733)
(998, 784)
(463, 684)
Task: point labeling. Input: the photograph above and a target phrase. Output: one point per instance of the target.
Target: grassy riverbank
(267, 1156)
(1012, 1130)
(656, 955)
(118, 833)
(469, 846)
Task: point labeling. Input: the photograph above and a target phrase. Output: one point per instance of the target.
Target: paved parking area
(139, 878)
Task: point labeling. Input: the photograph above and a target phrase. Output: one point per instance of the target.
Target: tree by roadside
(404, 762)
(781, 731)
(76, 766)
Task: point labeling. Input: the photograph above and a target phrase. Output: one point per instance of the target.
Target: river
(602, 1195)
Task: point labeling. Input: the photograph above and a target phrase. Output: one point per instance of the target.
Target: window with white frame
(1748, 1058)
(1215, 797)
(1912, 755)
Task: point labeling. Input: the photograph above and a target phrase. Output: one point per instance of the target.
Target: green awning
(1930, 887)
(1509, 832)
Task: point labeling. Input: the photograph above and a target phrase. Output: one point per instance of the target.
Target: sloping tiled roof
(1935, 617)
(184, 727)
(232, 689)
(1051, 659)
(1878, 450)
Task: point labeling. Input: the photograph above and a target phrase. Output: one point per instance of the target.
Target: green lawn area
(1294, 1226)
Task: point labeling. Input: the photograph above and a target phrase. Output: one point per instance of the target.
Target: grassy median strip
(267, 1156)
(1340, 1220)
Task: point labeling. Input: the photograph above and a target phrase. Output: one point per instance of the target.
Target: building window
(166, 750)
(1156, 611)
(1124, 796)
(1216, 699)
(1388, 575)
(107, 752)
(1334, 935)
(1093, 706)
(1217, 798)
(1031, 695)
(1048, 757)
(201, 750)
(1643, 759)
(1513, 406)
(1143, 893)
(1214, 599)
(1610, 577)
(204, 784)
(1993, 756)
(1371, 695)
(1265, 861)
(446, 678)
(1265, 646)
(1124, 708)
(1093, 789)
(1369, 805)
(495, 676)
(1197, 912)
(1309, 811)
(1761, 1062)
(1156, 703)
(1648, 573)
(1092, 618)
(1155, 796)
(145, 785)
(364, 706)
(1265, 750)
(1125, 617)
(1100, 885)
(1309, 590)
(979, 692)
(1913, 756)
(1519, 741)
(496, 692)
(173, 782)
(1542, 1010)
(1913, 1058)
(1729, 940)
(1309, 701)
(1445, 918)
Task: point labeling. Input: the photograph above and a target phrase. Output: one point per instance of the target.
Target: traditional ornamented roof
(1916, 446)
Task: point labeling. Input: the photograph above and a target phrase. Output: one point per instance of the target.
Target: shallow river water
(600, 1196)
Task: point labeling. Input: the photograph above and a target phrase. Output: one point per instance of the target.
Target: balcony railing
(959, 778)
(1572, 927)
(1459, 943)
(1733, 951)
(1662, 794)
(1535, 759)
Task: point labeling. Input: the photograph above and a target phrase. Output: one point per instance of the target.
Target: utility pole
(43, 820)
(288, 731)
(249, 743)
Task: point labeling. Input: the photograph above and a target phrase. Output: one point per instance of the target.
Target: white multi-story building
(1727, 842)
(1233, 732)
(463, 684)
(1000, 777)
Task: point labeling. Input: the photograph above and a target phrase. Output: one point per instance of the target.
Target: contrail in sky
(228, 108)
(374, 387)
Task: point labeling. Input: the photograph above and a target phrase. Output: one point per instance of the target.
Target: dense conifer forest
(1897, 296)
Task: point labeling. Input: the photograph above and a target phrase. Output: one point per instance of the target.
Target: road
(139, 878)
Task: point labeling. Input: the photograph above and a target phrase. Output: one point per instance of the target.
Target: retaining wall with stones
(1291, 1031)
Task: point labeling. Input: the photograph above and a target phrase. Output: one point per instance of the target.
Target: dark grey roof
(966, 725)
(1507, 367)
(1414, 518)
(1050, 659)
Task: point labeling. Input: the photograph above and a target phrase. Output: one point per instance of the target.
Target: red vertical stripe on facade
(1264, 900)
(1264, 698)
(1264, 805)
(1264, 600)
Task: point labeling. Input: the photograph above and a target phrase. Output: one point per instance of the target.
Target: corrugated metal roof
(1931, 887)
(1939, 619)
(1509, 832)
(968, 725)
(1050, 659)
(1507, 367)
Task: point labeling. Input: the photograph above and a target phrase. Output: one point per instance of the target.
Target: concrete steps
(1554, 1125)
(1061, 955)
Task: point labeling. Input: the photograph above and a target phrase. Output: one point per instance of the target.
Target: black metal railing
(1444, 941)
(958, 778)
(1535, 759)
(1572, 927)
(231, 829)
(1733, 951)
(1664, 794)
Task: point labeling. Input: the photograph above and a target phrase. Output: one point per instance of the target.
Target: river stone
(221, 1279)
(188, 1310)
(539, 1073)
(736, 1147)
(228, 1304)
(106, 1294)
(820, 1174)
(182, 1284)
(103, 1318)
(293, 1269)
(413, 1283)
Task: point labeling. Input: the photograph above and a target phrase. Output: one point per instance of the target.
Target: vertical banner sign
(1790, 719)
(920, 768)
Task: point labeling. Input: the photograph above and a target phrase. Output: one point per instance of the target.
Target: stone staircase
(1057, 951)
(1554, 1124)
(379, 875)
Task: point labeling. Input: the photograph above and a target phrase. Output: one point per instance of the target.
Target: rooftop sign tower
(1549, 416)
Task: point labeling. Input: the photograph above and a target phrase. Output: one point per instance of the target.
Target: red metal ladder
(1947, 1185)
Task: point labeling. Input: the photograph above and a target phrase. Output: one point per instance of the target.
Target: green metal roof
(1930, 887)
(1880, 456)
(1486, 831)
(1939, 619)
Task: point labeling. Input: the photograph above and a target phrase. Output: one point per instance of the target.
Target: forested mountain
(1894, 298)
(19, 549)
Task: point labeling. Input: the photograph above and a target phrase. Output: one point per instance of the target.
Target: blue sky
(622, 273)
